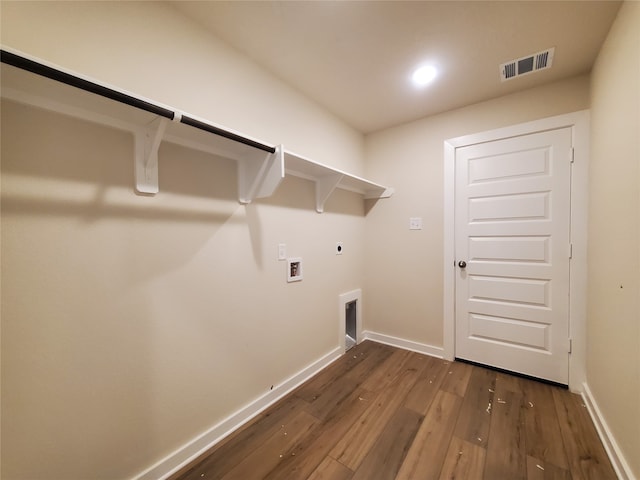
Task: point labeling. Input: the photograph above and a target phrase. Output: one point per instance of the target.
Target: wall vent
(525, 65)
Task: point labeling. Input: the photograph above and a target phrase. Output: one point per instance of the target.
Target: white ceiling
(356, 58)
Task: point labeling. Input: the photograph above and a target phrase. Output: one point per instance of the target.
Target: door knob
(462, 264)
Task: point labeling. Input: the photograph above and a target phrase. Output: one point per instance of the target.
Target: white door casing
(512, 217)
(493, 250)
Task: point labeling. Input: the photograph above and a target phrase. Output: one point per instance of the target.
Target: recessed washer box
(294, 269)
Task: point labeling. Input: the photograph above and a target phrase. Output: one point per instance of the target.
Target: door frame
(579, 124)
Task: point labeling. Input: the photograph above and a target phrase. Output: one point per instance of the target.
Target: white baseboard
(200, 444)
(404, 344)
(620, 465)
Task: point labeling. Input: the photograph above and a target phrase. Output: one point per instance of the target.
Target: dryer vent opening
(350, 314)
(350, 319)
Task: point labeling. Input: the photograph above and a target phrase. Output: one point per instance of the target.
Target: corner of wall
(620, 464)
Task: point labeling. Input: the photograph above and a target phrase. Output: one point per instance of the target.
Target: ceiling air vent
(525, 65)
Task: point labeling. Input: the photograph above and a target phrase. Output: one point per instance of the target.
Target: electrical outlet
(282, 251)
(415, 223)
(339, 248)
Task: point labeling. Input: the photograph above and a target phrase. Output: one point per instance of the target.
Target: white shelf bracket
(147, 143)
(384, 192)
(324, 188)
(260, 178)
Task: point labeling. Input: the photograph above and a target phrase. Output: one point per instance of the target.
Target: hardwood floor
(382, 413)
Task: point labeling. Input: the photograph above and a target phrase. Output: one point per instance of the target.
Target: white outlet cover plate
(415, 223)
(282, 251)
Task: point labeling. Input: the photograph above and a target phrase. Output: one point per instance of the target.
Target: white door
(512, 234)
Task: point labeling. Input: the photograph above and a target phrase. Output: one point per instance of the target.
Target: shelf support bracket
(379, 193)
(147, 143)
(260, 178)
(324, 188)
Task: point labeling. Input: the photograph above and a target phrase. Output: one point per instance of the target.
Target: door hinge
(570, 345)
(572, 155)
(570, 251)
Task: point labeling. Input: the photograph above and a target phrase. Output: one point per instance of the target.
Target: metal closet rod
(68, 79)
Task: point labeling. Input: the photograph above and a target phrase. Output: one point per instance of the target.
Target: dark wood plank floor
(382, 413)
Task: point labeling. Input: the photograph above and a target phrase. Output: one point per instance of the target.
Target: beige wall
(131, 324)
(403, 268)
(613, 366)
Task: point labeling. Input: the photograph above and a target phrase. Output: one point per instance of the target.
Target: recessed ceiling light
(424, 75)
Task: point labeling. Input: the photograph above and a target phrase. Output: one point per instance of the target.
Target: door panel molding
(579, 124)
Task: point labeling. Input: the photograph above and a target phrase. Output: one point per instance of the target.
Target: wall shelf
(327, 179)
(261, 167)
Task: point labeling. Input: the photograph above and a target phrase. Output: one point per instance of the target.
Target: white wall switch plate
(415, 223)
(282, 251)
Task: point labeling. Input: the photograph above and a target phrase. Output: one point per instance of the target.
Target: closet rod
(43, 70)
(68, 79)
(224, 133)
